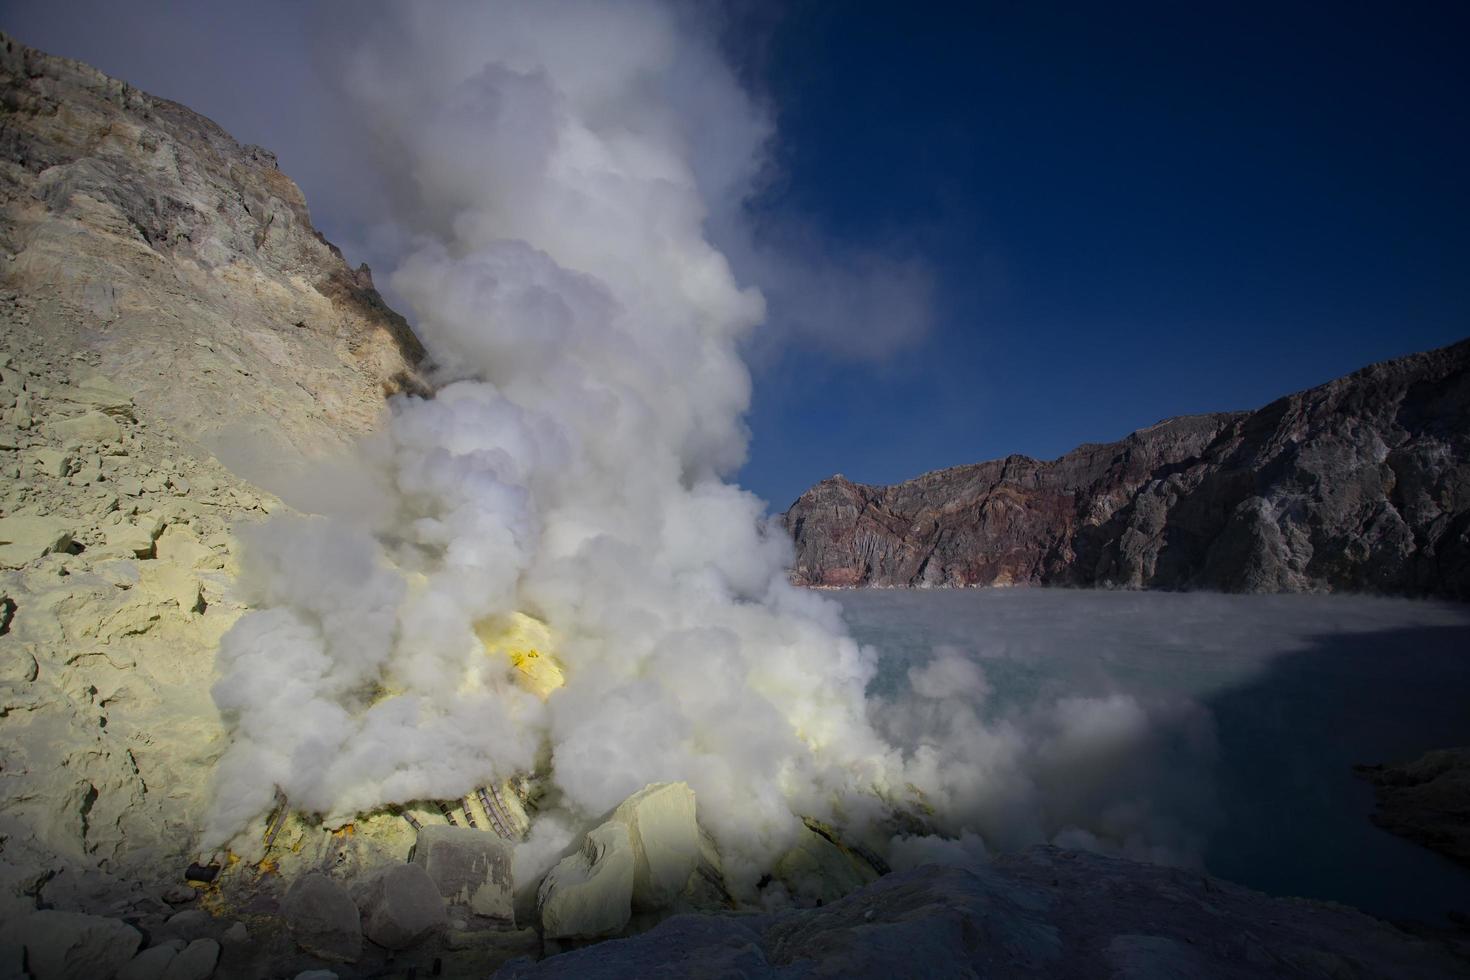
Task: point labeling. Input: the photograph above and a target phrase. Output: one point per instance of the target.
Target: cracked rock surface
(1359, 485)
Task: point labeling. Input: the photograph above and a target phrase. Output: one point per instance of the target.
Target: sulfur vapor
(570, 466)
(549, 176)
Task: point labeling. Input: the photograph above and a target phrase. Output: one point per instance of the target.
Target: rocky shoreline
(1426, 800)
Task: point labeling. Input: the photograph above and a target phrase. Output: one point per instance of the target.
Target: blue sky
(1132, 211)
(1126, 211)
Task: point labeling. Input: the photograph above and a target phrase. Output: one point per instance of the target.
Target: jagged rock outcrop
(1361, 484)
(1045, 913)
(141, 236)
(649, 857)
(1426, 800)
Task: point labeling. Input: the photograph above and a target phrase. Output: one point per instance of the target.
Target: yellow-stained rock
(527, 642)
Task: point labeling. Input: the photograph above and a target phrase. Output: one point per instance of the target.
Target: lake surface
(1296, 689)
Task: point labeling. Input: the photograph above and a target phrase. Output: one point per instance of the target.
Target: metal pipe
(278, 820)
(503, 809)
(492, 813)
(448, 813)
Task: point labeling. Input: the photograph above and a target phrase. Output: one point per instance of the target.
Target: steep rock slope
(162, 295)
(141, 234)
(1359, 484)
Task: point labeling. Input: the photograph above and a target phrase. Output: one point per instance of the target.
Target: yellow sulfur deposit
(527, 642)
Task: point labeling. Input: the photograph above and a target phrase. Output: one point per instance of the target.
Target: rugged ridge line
(1360, 484)
(140, 233)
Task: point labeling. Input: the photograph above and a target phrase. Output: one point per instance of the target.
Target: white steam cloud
(556, 262)
(554, 175)
(554, 172)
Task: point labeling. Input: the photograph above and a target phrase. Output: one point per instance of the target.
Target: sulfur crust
(527, 643)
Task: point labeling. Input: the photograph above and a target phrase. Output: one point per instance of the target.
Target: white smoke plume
(555, 259)
(552, 172)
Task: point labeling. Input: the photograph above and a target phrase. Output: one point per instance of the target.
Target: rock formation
(1361, 484)
(141, 240)
(162, 295)
(1045, 913)
(1426, 800)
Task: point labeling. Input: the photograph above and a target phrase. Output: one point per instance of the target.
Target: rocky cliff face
(162, 294)
(141, 237)
(1360, 484)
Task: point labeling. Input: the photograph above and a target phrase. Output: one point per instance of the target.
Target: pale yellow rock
(182, 546)
(589, 894)
(130, 540)
(102, 395)
(24, 539)
(51, 462)
(89, 427)
(167, 580)
(666, 842)
(527, 643)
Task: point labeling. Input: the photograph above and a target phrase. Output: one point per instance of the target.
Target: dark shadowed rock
(1360, 484)
(149, 964)
(471, 869)
(1427, 800)
(188, 925)
(323, 918)
(1047, 913)
(402, 907)
(71, 946)
(196, 962)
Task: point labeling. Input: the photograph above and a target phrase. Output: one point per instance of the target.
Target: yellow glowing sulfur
(526, 641)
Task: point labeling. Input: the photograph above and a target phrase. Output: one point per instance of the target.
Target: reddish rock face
(1359, 484)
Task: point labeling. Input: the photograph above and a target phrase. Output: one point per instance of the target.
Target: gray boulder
(590, 893)
(402, 907)
(149, 964)
(72, 946)
(470, 868)
(196, 962)
(12, 961)
(188, 925)
(323, 918)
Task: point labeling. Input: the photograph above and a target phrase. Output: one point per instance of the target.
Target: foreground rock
(402, 907)
(1048, 913)
(470, 868)
(69, 946)
(1426, 800)
(589, 894)
(648, 859)
(1361, 484)
(323, 919)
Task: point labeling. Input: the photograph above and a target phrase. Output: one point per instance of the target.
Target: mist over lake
(1208, 731)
